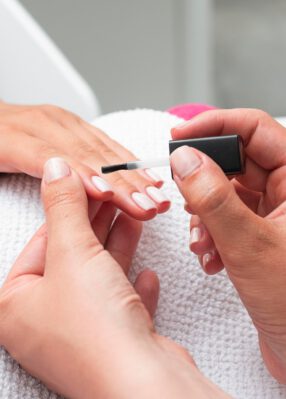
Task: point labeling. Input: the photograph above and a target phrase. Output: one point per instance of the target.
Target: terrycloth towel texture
(202, 313)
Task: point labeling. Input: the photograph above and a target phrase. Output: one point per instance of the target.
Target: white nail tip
(101, 184)
(153, 175)
(195, 235)
(143, 201)
(156, 195)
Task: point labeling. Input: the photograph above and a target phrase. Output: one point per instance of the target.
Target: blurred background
(155, 54)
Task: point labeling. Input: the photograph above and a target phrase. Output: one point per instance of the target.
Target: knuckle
(84, 152)
(49, 110)
(62, 199)
(128, 300)
(261, 114)
(216, 197)
(258, 114)
(92, 247)
(64, 117)
(37, 114)
(108, 152)
(44, 152)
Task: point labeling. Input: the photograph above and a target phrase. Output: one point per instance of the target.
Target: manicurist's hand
(70, 317)
(241, 224)
(32, 134)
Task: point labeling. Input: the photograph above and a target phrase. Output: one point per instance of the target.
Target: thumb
(66, 209)
(211, 196)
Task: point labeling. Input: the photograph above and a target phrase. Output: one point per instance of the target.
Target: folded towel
(202, 313)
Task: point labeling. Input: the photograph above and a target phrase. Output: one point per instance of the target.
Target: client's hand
(69, 315)
(32, 134)
(241, 224)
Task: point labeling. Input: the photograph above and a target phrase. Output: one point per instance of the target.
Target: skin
(32, 134)
(88, 332)
(68, 297)
(241, 223)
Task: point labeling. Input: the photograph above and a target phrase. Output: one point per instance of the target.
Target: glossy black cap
(226, 151)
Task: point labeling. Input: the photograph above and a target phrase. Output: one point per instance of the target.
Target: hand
(69, 315)
(241, 224)
(32, 134)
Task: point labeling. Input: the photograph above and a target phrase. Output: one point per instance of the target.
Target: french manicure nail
(153, 175)
(101, 184)
(143, 201)
(156, 194)
(207, 258)
(195, 235)
(55, 169)
(185, 161)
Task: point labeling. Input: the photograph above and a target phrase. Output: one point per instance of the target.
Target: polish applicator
(226, 151)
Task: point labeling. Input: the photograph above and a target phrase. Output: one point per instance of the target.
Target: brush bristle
(113, 168)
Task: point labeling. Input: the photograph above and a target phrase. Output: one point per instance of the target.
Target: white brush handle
(151, 163)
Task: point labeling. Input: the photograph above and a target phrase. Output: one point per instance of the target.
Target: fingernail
(153, 175)
(185, 161)
(55, 169)
(182, 125)
(156, 195)
(207, 258)
(101, 184)
(195, 235)
(143, 201)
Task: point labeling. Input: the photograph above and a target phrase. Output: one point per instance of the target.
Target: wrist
(157, 372)
(142, 369)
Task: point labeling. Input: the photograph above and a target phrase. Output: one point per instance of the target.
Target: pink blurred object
(188, 111)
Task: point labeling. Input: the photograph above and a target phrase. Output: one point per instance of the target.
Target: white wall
(133, 53)
(120, 47)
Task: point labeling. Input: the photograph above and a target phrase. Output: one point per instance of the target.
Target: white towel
(202, 313)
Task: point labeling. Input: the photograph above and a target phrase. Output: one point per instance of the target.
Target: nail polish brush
(226, 151)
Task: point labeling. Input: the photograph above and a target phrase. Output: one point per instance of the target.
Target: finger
(24, 153)
(102, 222)
(213, 198)
(93, 208)
(123, 152)
(201, 241)
(123, 240)
(127, 185)
(147, 286)
(263, 137)
(211, 262)
(275, 194)
(209, 257)
(250, 198)
(66, 209)
(32, 258)
(133, 193)
(255, 177)
(278, 214)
